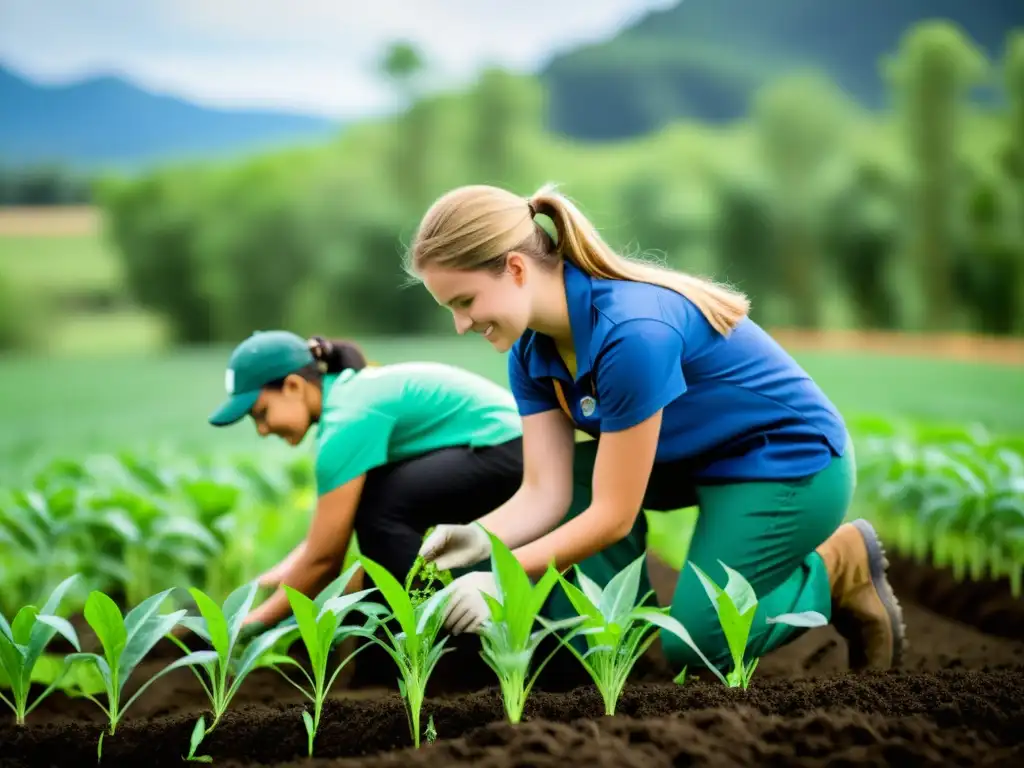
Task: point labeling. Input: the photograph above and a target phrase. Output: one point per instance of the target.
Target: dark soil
(959, 700)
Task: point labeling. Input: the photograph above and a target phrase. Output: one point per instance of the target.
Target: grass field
(102, 383)
(61, 260)
(71, 405)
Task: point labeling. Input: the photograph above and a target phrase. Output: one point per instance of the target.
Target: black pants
(401, 501)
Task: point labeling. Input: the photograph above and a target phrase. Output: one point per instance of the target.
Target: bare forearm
(528, 515)
(280, 571)
(309, 579)
(592, 531)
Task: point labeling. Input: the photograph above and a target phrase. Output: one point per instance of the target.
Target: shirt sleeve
(531, 396)
(639, 371)
(350, 445)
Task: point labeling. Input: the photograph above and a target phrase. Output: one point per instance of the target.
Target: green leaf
(305, 613)
(198, 732)
(12, 659)
(342, 604)
(582, 603)
(259, 646)
(5, 629)
(735, 626)
(713, 590)
(58, 624)
(237, 607)
(216, 626)
(42, 633)
(739, 590)
(22, 625)
(619, 596)
(103, 615)
(394, 593)
(197, 625)
(336, 587)
(802, 619)
(516, 594)
(666, 622)
(143, 638)
(430, 610)
(588, 586)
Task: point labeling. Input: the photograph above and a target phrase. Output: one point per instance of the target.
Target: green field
(71, 405)
(60, 264)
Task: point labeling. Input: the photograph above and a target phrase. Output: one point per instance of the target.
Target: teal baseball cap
(264, 357)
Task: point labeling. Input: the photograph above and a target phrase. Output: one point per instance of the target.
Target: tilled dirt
(959, 700)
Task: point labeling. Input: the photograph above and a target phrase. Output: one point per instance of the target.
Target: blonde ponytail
(476, 226)
(579, 242)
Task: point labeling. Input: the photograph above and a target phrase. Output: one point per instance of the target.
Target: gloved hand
(467, 609)
(456, 546)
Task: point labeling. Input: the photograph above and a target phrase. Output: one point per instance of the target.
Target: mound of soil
(959, 700)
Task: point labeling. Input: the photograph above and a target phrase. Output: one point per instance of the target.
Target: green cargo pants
(768, 531)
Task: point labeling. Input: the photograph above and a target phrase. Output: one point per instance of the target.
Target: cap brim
(234, 409)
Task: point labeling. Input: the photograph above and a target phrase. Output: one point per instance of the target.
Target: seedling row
(131, 525)
(613, 627)
(948, 496)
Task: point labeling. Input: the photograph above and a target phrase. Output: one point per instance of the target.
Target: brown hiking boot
(864, 609)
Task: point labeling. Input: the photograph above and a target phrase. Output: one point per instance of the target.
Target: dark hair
(331, 356)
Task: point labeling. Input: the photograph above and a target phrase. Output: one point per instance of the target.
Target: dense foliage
(825, 214)
(44, 185)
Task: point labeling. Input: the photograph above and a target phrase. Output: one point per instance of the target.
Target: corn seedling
(415, 648)
(617, 628)
(736, 606)
(955, 497)
(131, 523)
(221, 629)
(508, 639)
(22, 643)
(319, 623)
(125, 641)
(198, 733)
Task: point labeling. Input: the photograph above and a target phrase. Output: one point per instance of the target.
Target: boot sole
(879, 563)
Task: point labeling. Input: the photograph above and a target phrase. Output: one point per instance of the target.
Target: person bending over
(399, 448)
(692, 404)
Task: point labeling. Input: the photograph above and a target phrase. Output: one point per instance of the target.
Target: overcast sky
(314, 56)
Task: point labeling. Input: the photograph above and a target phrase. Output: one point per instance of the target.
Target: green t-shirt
(383, 414)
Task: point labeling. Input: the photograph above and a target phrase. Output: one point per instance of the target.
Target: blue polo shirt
(736, 408)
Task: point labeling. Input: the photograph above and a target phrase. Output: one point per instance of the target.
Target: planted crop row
(131, 525)
(950, 496)
(616, 623)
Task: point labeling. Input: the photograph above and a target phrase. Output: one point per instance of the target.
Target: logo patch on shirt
(588, 405)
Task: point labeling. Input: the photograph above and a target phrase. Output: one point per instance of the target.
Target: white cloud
(310, 55)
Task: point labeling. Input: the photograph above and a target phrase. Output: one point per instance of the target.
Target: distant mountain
(705, 59)
(107, 121)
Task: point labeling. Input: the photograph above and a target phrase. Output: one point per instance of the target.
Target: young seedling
(22, 643)
(319, 623)
(198, 732)
(736, 606)
(415, 648)
(221, 628)
(125, 641)
(508, 640)
(617, 628)
(431, 578)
